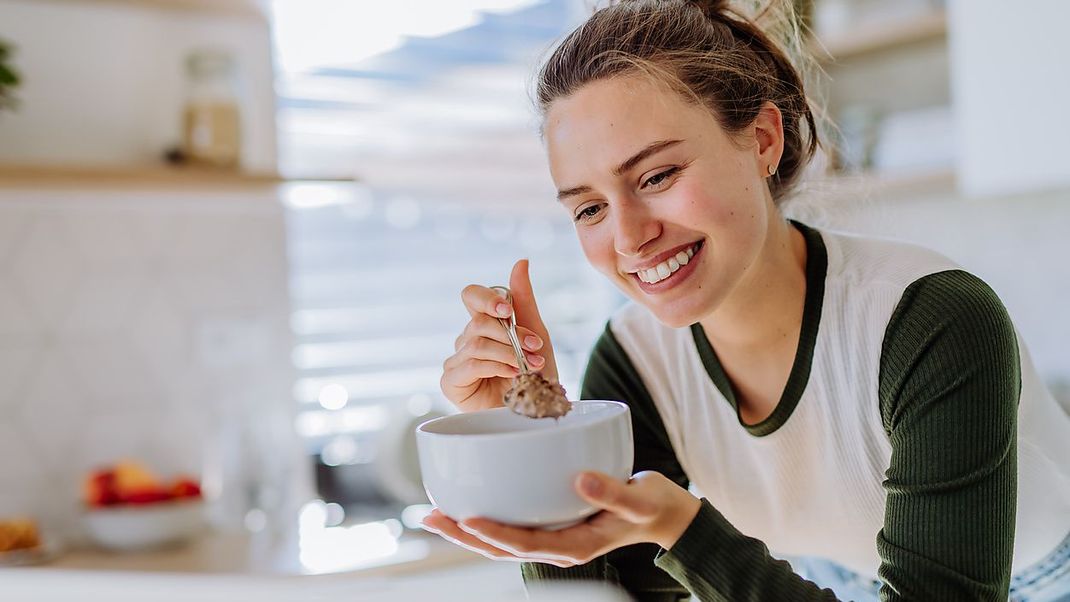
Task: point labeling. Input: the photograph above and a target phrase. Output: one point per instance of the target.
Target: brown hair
(705, 50)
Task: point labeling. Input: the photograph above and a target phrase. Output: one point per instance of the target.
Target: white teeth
(664, 269)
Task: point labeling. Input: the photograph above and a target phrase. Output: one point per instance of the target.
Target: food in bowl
(499, 465)
(130, 508)
(129, 482)
(535, 397)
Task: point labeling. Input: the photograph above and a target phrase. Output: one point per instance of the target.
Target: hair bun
(711, 8)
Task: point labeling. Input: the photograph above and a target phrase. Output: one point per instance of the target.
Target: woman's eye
(588, 213)
(660, 178)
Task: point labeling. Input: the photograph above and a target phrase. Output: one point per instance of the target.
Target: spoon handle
(510, 330)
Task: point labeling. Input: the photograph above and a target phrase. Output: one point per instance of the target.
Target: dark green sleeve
(949, 385)
(611, 375)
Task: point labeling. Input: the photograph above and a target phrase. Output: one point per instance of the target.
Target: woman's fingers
(464, 372)
(485, 349)
(448, 529)
(438, 523)
(485, 326)
(485, 300)
(475, 376)
(527, 311)
(565, 548)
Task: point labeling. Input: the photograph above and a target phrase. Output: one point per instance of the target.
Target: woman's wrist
(677, 519)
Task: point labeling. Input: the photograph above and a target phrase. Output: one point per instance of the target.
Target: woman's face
(652, 182)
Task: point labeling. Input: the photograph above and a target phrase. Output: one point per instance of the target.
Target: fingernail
(590, 485)
(503, 310)
(536, 360)
(532, 342)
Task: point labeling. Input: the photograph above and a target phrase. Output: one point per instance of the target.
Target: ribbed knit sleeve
(610, 375)
(949, 385)
(717, 563)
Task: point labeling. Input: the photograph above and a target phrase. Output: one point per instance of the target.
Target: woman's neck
(764, 311)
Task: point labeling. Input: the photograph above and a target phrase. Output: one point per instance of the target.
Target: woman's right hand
(477, 376)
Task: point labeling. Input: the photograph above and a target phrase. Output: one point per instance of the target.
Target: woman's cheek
(598, 249)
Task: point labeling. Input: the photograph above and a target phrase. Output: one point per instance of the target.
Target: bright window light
(317, 33)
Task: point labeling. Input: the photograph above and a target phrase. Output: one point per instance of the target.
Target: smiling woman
(862, 407)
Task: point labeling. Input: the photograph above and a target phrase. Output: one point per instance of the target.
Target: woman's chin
(674, 317)
(675, 314)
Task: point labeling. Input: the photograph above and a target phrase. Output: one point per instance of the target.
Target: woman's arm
(949, 386)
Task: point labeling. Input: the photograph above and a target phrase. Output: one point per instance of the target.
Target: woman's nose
(633, 229)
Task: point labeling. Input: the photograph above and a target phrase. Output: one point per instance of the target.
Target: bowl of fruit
(129, 508)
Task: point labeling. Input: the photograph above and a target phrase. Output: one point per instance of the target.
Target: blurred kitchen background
(233, 234)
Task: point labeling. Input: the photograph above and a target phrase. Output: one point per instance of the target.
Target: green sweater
(948, 387)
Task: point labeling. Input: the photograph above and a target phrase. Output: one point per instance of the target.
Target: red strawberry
(146, 496)
(185, 487)
(99, 489)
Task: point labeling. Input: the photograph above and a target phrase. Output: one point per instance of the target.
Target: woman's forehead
(605, 120)
(609, 102)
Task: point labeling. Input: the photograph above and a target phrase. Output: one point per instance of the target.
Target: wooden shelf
(33, 176)
(253, 9)
(879, 37)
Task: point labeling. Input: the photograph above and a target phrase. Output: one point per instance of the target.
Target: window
(452, 188)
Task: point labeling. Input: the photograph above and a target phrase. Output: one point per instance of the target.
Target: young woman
(860, 406)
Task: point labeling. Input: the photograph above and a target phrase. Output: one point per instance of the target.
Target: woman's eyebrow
(650, 149)
(630, 162)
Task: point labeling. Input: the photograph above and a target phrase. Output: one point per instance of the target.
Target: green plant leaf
(8, 77)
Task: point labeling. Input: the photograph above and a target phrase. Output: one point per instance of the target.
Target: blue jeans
(1047, 580)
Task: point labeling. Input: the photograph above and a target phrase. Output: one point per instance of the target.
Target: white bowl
(506, 467)
(129, 528)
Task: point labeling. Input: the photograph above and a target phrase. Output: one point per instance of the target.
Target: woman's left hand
(648, 508)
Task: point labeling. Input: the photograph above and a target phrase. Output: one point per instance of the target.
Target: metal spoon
(510, 330)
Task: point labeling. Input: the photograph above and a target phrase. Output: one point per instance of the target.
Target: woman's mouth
(669, 272)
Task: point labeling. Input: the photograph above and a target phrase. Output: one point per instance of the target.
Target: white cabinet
(104, 82)
(886, 87)
(973, 92)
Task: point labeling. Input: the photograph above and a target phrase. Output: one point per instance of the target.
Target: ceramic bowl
(131, 528)
(506, 467)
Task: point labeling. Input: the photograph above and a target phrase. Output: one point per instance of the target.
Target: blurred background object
(9, 77)
(233, 235)
(211, 121)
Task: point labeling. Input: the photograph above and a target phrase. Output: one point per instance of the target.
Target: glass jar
(211, 130)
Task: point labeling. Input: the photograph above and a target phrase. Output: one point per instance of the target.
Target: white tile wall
(151, 326)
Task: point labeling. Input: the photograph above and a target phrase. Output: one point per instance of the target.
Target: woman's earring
(771, 169)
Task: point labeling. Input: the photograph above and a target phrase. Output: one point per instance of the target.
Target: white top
(813, 486)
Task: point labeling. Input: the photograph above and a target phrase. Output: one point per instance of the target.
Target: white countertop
(231, 567)
(225, 568)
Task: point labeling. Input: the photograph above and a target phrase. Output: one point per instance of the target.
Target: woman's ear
(769, 134)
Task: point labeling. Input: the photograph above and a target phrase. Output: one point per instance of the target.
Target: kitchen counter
(239, 567)
(222, 553)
